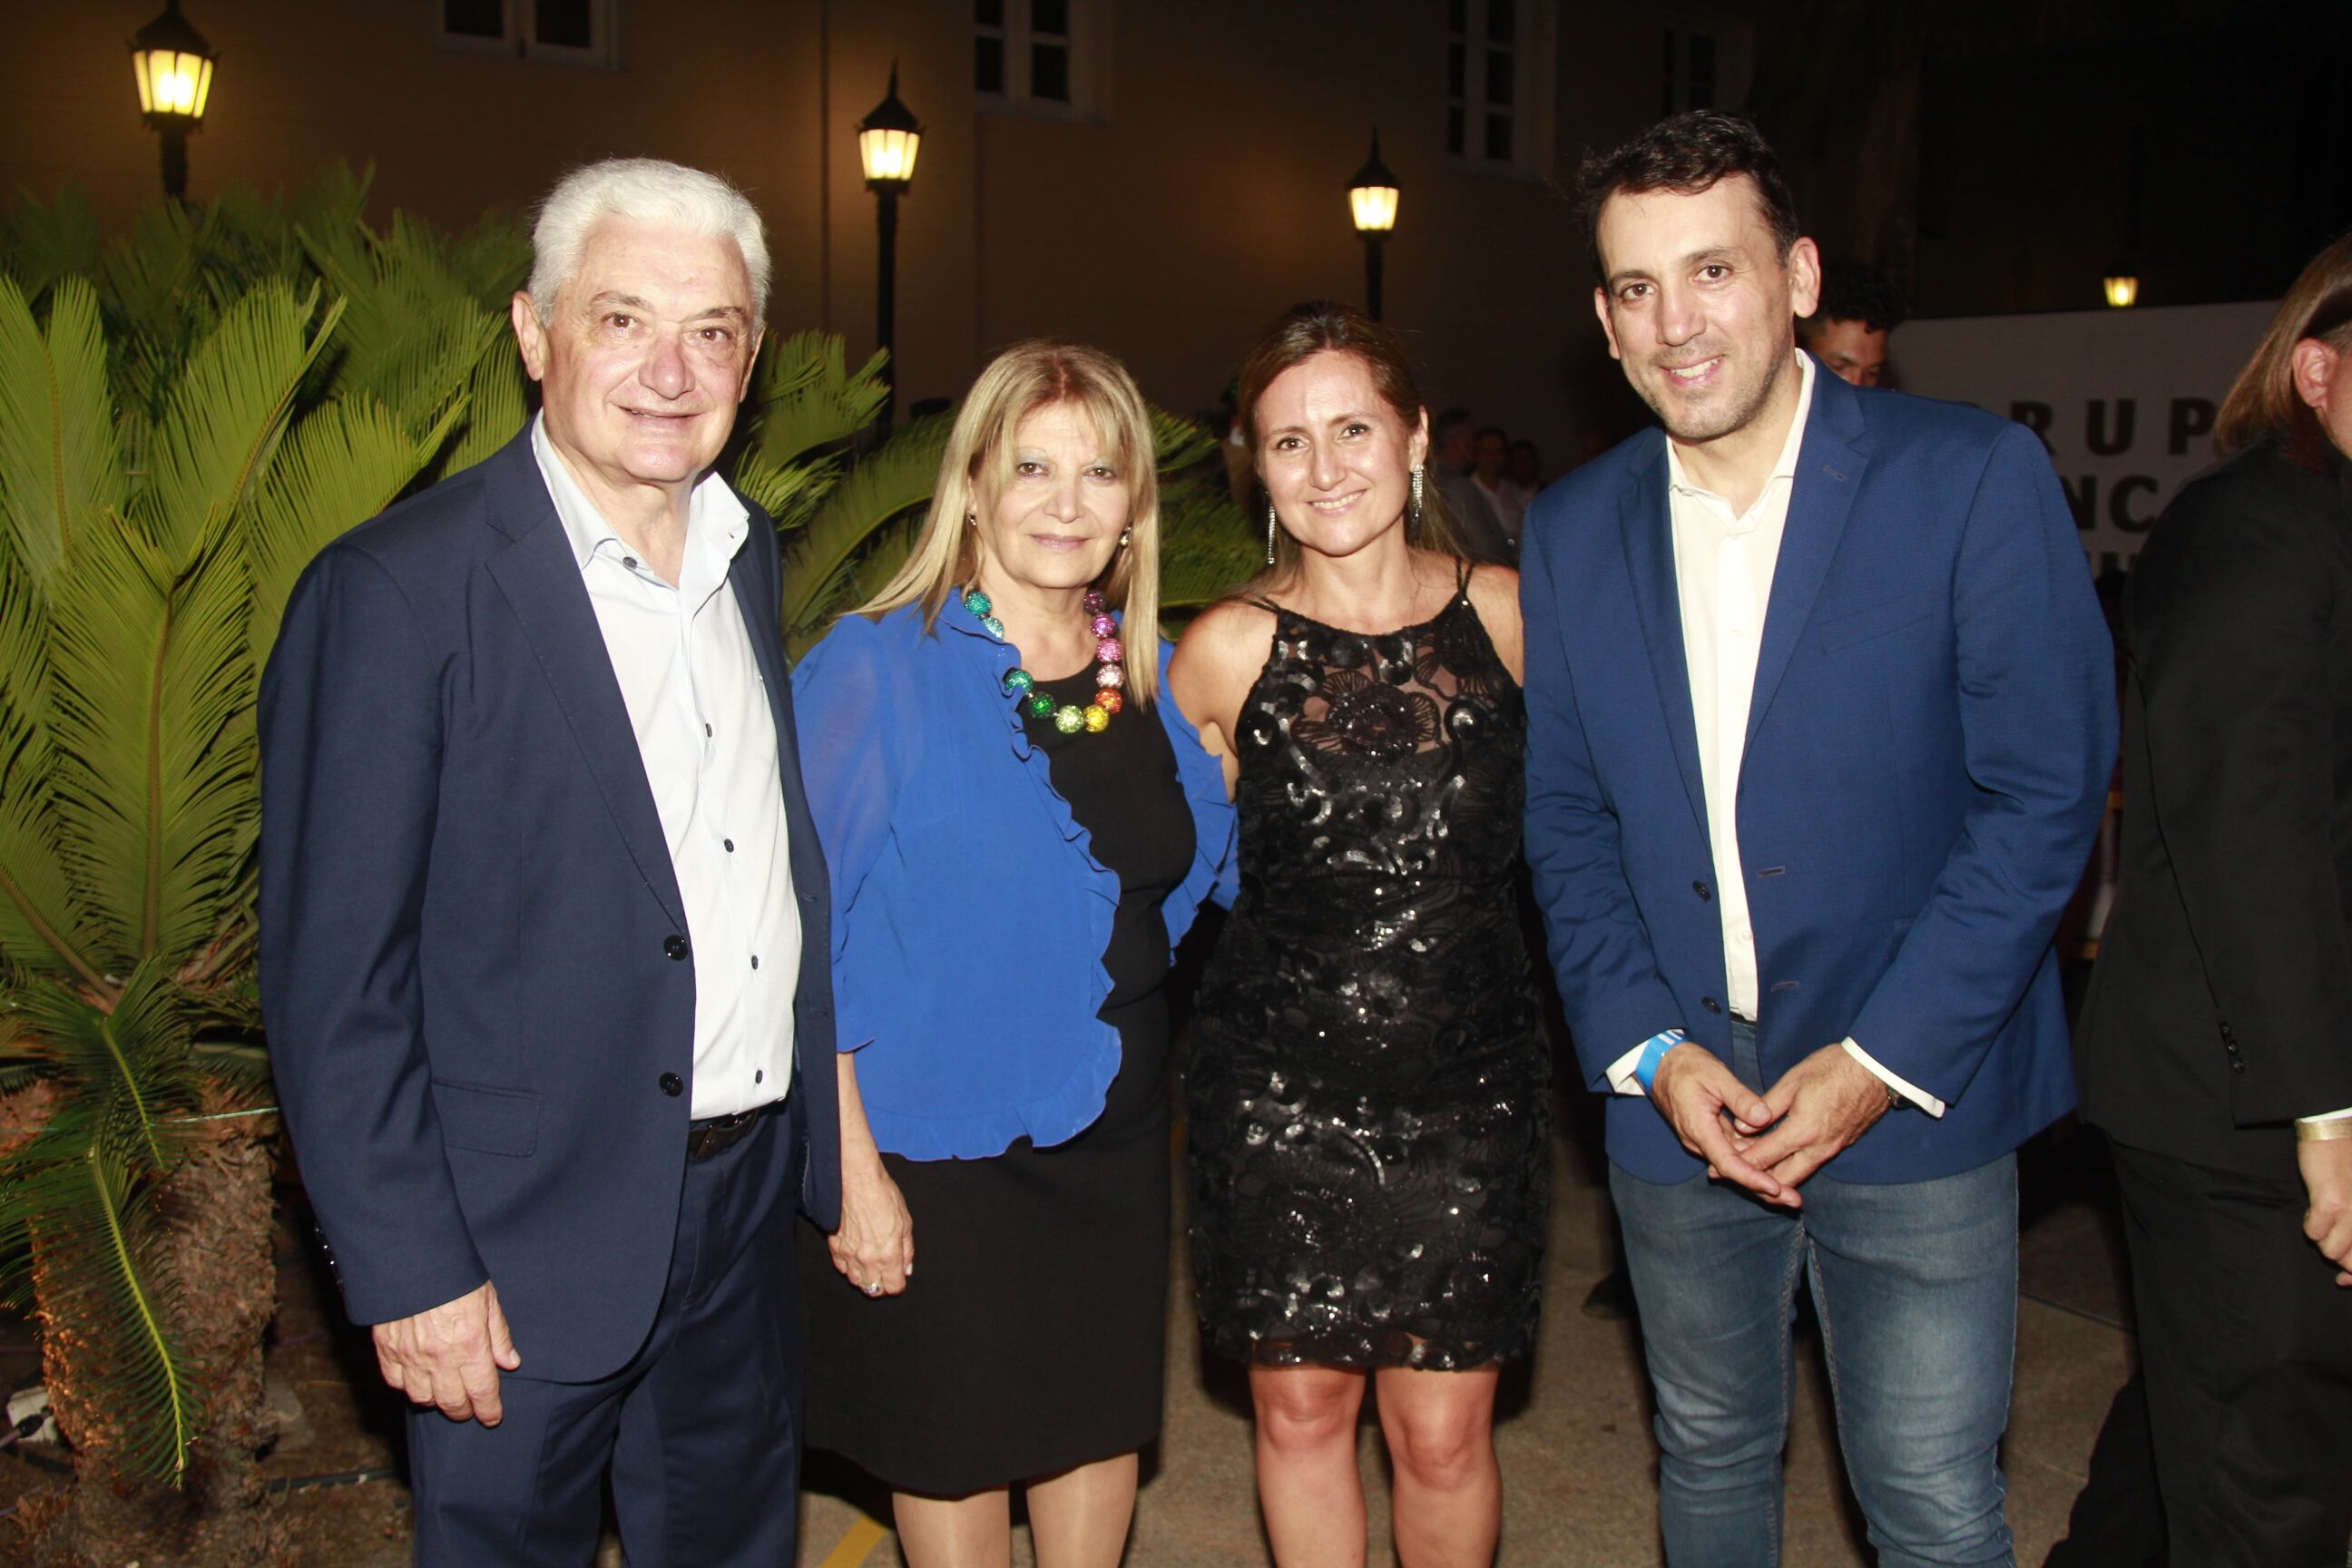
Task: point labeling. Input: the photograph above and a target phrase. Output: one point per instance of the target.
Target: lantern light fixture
(888, 139)
(1372, 203)
(174, 65)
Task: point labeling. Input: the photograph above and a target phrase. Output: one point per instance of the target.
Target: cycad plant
(163, 480)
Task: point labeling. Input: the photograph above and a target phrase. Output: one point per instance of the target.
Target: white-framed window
(1705, 64)
(571, 32)
(1501, 61)
(1041, 56)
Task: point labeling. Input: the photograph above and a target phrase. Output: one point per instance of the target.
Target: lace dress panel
(1368, 1088)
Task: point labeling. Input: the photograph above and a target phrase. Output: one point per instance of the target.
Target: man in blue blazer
(544, 951)
(1822, 722)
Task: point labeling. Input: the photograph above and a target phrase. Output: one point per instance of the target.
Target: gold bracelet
(2323, 1132)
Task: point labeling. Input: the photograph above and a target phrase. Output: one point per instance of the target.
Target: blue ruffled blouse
(970, 916)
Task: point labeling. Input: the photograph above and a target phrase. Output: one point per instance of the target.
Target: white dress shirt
(708, 739)
(1723, 563)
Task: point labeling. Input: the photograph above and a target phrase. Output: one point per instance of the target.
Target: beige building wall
(1206, 195)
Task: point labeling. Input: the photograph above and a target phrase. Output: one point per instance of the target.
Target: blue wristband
(1654, 1052)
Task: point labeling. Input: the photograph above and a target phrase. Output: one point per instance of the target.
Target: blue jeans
(1916, 1286)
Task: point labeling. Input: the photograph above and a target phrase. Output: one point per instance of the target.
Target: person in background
(1820, 727)
(2216, 1046)
(1492, 475)
(1023, 823)
(1850, 331)
(1453, 460)
(1525, 468)
(1370, 1082)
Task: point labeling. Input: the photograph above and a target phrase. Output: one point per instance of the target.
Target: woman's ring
(874, 1287)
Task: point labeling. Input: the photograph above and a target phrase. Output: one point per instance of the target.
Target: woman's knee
(1442, 1450)
(1307, 1410)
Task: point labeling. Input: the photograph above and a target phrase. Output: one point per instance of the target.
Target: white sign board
(2124, 399)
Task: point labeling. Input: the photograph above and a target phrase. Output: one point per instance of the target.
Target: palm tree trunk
(216, 1210)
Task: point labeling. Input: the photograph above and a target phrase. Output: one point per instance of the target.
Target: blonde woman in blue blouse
(1020, 825)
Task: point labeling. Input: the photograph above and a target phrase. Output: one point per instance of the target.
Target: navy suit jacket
(480, 1017)
(1930, 745)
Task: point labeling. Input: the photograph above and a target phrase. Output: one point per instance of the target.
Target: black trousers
(2245, 1345)
(700, 1431)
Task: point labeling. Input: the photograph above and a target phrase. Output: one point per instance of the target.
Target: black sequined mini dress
(1368, 1088)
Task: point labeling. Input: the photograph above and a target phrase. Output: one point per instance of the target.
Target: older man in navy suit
(1821, 717)
(544, 952)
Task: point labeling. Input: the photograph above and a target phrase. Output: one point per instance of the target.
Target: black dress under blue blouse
(1032, 1335)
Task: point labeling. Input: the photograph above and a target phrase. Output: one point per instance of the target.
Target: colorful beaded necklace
(1069, 718)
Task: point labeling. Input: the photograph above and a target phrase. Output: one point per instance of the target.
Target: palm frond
(39, 245)
(790, 495)
(148, 281)
(498, 405)
(150, 728)
(332, 199)
(1208, 545)
(43, 927)
(1177, 442)
(57, 458)
(341, 465)
(412, 332)
(224, 413)
(804, 398)
(492, 259)
(892, 479)
(130, 1065)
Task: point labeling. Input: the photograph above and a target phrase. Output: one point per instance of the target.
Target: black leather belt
(716, 1134)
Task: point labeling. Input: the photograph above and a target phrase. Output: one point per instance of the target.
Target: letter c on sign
(2119, 511)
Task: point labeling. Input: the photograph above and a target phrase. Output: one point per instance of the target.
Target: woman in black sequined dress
(1368, 1084)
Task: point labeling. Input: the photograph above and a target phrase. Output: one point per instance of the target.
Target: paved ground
(1578, 1468)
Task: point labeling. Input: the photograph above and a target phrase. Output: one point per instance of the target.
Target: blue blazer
(1929, 752)
(970, 913)
(481, 1027)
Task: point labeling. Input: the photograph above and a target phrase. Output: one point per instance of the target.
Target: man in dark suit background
(2216, 1047)
(1821, 722)
(544, 936)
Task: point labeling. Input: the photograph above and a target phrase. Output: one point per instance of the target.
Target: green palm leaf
(1179, 443)
(340, 466)
(39, 245)
(804, 398)
(224, 413)
(151, 731)
(496, 405)
(892, 479)
(57, 458)
(1208, 546)
(57, 469)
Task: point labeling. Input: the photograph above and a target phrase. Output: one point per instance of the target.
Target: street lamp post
(175, 68)
(1372, 201)
(887, 141)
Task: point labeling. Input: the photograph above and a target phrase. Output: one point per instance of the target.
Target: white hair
(649, 190)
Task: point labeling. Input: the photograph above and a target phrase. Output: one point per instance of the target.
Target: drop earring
(1125, 537)
(1412, 506)
(1272, 523)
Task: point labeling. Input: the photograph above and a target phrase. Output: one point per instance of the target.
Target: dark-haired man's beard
(1728, 399)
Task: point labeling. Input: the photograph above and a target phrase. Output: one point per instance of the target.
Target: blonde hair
(1024, 378)
(2263, 402)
